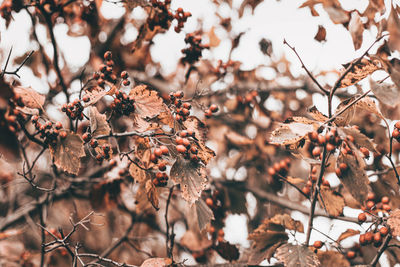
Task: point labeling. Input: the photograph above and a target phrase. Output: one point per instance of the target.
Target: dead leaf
(314, 113)
(152, 194)
(374, 6)
(360, 140)
(148, 104)
(30, 97)
(335, 11)
(287, 221)
(192, 178)
(99, 126)
(356, 29)
(293, 131)
(227, 251)
(394, 222)
(386, 93)
(346, 117)
(369, 105)
(137, 173)
(332, 201)
(252, 3)
(393, 68)
(354, 178)
(67, 153)
(359, 71)
(297, 256)
(214, 41)
(204, 214)
(321, 34)
(332, 259)
(348, 233)
(104, 195)
(156, 262)
(95, 94)
(195, 241)
(237, 139)
(393, 27)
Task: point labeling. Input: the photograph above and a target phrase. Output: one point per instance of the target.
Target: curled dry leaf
(360, 70)
(331, 200)
(356, 29)
(204, 214)
(287, 221)
(360, 139)
(321, 34)
(156, 262)
(297, 256)
(346, 117)
(138, 174)
(348, 233)
(317, 115)
(152, 194)
(148, 104)
(96, 93)
(192, 178)
(393, 68)
(369, 105)
(394, 222)
(393, 27)
(99, 126)
(67, 153)
(332, 258)
(386, 93)
(293, 130)
(354, 178)
(30, 97)
(238, 139)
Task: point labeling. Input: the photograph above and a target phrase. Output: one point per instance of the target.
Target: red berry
(306, 190)
(396, 133)
(368, 237)
(385, 200)
(94, 143)
(370, 204)
(108, 55)
(330, 147)
(179, 94)
(158, 152)
(58, 125)
(377, 237)
(208, 113)
(384, 231)
(184, 133)
(386, 207)
(316, 151)
(362, 217)
(179, 140)
(186, 142)
(162, 166)
(371, 196)
(351, 254)
(313, 136)
(126, 82)
(124, 74)
(397, 125)
(318, 244)
(214, 108)
(362, 240)
(181, 148)
(321, 139)
(153, 158)
(209, 202)
(365, 151)
(63, 135)
(343, 166)
(164, 150)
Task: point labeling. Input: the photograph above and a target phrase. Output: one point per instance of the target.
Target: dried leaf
(152, 194)
(321, 34)
(346, 117)
(356, 29)
(214, 40)
(394, 222)
(360, 70)
(67, 153)
(288, 222)
(393, 27)
(147, 102)
(227, 251)
(332, 259)
(369, 105)
(374, 7)
(30, 97)
(204, 214)
(354, 178)
(393, 68)
(237, 139)
(99, 126)
(195, 241)
(332, 201)
(386, 93)
(297, 256)
(192, 178)
(316, 114)
(156, 262)
(95, 94)
(252, 3)
(348, 233)
(335, 11)
(137, 173)
(265, 46)
(360, 140)
(293, 131)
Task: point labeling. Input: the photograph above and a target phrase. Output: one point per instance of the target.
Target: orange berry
(318, 244)
(209, 203)
(365, 151)
(397, 125)
(158, 152)
(181, 148)
(384, 231)
(271, 171)
(313, 136)
(179, 140)
(377, 237)
(338, 172)
(385, 200)
(362, 240)
(221, 232)
(326, 183)
(370, 204)
(316, 151)
(362, 217)
(162, 166)
(386, 207)
(164, 150)
(370, 196)
(368, 237)
(213, 108)
(321, 139)
(330, 147)
(343, 166)
(396, 133)
(351, 254)
(306, 190)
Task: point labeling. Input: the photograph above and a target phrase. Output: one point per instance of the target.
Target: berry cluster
(248, 98)
(184, 145)
(161, 178)
(10, 119)
(331, 139)
(163, 16)
(48, 131)
(182, 109)
(74, 110)
(279, 169)
(181, 17)
(193, 53)
(396, 131)
(212, 109)
(124, 75)
(104, 152)
(374, 236)
(106, 71)
(216, 202)
(312, 180)
(123, 104)
(373, 208)
(222, 68)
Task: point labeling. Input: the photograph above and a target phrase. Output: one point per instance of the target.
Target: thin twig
(381, 249)
(168, 237)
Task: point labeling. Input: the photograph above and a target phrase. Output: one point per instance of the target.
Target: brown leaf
(293, 131)
(227, 251)
(393, 68)
(321, 34)
(265, 46)
(394, 222)
(96, 93)
(214, 41)
(386, 93)
(335, 11)
(316, 114)
(346, 117)
(297, 256)
(332, 201)
(348, 233)
(374, 7)
(99, 126)
(354, 178)
(360, 70)
(67, 153)
(369, 105)
(152, 194)
(360, 140)
(252, 3)
(204, 214)
(237, 139)
(356, 29)
(192, 178)
(195, 241)
(287, 221)
(137, 173)
(156, 262)
(147, 102)
(332, 259)
(393, 27)
(30, 97)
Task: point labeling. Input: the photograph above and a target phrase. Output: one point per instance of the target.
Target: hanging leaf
(369, 105)
(96, 93)
(288, 222)
(321, 34)
(314, 113)
(30, 97)
(99, 126)
(293, 130)
(204, 214)
(360, 140)
(332, 258)
(227, 251)
(152, 194)
(346, 117)
(394, 222)
(359, 71)
(332, 201)
(393, 27)
(67, 153)
(147, 102)
(356, 29)
(335, 11)
(348, 233)
(393, 68)
(354, 178)
(192, 178)
(138, 174)
(297, 256)
(386, 93)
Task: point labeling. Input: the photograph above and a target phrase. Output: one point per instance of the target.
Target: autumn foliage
(137, 167)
